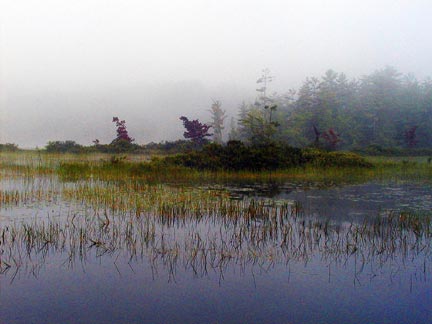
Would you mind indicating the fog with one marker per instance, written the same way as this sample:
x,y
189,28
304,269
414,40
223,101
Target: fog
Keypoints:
x,y
68,67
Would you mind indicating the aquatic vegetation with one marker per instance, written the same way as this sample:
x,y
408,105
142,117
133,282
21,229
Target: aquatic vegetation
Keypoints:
x,y
71,167
133,210
250,233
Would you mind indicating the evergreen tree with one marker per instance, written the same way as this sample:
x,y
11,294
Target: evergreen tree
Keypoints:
x,y
218,118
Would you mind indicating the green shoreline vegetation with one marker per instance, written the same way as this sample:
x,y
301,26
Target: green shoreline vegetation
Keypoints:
x,y
314,165
134,205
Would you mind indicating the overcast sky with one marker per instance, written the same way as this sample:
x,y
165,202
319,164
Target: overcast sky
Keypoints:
x,y
66,67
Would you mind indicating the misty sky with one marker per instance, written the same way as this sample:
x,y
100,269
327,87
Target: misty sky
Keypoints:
x,y
68,67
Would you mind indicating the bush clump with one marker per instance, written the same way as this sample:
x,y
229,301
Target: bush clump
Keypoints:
x,y
64,147
236,156
8,147
321,158
171,147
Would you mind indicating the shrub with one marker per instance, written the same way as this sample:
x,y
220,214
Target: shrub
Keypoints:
x,y
8,147
321,158
171,147
121,146
64,147
236,156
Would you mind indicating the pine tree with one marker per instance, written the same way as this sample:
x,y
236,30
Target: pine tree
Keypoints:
x,y
218,118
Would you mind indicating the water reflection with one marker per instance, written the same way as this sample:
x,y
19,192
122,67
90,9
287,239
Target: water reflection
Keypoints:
x,y
342,201
218,260
242,234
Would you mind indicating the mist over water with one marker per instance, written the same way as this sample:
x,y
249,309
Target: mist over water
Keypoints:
x,y
151,111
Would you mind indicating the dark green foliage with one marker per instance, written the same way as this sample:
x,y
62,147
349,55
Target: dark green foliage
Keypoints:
x,y
121,146
8,147
115,147
236,156
64,147
377,150
171,147
384,108
321,158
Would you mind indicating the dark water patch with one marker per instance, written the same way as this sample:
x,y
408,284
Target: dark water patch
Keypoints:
x,y
343,202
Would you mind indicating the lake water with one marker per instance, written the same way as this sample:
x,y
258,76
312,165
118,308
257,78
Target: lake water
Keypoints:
x,y
306,255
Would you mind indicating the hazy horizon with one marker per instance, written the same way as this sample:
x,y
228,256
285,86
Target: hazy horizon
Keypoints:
x,y
66,68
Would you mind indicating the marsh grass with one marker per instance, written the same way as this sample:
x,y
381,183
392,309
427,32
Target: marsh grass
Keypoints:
x,y
130,211
73,167
229,233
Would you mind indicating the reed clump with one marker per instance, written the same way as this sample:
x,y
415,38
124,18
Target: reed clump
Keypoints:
x,y
214,235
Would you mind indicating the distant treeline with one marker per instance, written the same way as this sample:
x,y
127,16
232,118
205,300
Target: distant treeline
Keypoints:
x,y
183,146
8,147
70,146
376,112
384,113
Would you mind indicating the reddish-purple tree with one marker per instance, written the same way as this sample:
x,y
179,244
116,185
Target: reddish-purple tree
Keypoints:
x,y
411,137
195,130
122,133
332,138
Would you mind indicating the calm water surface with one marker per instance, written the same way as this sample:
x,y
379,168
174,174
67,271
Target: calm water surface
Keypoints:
x,y
196,271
